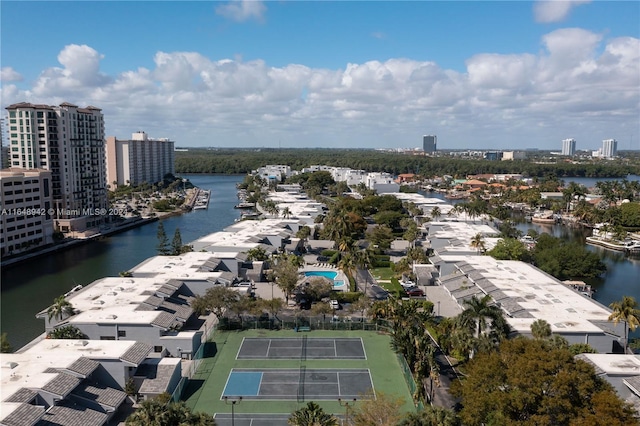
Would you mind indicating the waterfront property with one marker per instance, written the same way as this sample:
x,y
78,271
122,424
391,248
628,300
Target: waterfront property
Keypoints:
x,y
138,160
26,218
71,146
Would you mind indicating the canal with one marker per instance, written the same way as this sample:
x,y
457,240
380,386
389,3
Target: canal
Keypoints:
x,y
30,287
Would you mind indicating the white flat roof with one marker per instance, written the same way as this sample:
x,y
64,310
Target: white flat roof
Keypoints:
x,y
541,295
29,366
616,364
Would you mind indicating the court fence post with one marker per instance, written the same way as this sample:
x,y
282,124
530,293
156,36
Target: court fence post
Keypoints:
x,y
232,402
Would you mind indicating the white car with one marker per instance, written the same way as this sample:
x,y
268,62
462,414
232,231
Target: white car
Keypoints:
x,y
334,304
407,284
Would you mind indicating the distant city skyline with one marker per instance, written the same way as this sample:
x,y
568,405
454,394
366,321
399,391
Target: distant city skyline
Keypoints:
x,y
268,74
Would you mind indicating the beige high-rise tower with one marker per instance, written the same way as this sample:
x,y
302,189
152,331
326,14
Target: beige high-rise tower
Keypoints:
x,y
68,141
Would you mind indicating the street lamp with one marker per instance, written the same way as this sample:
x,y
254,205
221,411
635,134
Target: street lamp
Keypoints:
x,y
348,405
232,402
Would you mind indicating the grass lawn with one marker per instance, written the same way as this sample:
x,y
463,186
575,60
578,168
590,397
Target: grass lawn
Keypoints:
x,y
382,273
205,389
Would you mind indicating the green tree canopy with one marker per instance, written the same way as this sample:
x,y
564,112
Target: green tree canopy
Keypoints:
x,y
312,415
217,299
66,332
530,382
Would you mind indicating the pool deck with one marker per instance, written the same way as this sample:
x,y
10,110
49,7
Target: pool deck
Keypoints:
x,y
327,267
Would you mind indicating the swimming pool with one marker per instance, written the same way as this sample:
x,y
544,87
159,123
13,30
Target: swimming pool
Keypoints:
x,y
327,274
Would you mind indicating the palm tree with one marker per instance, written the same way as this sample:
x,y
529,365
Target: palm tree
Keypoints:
x,y
60,309
479,312
540,329
286,213
436,213
477,242
364,260
626,311
312,415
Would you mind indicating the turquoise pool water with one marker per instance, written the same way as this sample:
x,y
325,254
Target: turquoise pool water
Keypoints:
x,y
327,274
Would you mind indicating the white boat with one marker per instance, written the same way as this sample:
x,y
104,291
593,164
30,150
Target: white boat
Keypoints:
x,y
202,202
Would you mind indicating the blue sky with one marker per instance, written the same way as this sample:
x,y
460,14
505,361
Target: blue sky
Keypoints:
x,y
363,74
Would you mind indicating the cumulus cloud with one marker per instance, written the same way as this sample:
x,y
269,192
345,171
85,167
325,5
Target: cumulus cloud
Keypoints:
x,y
548,11
243,10
8,74
578,84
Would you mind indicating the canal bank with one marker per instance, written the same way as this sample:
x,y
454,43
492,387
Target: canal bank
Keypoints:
x,y
31,286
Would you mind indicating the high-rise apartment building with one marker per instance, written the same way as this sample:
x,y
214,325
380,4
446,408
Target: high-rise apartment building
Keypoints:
x,y
609,148
68,141
569,147
26,219
138,160
429,143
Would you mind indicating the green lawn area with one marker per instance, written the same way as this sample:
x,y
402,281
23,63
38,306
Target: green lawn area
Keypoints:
x,y
382,273
205,389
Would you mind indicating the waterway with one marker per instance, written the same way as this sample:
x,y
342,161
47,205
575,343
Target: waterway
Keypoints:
x,y
30,287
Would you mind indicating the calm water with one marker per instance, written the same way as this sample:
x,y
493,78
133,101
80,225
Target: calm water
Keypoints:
x,y
30,287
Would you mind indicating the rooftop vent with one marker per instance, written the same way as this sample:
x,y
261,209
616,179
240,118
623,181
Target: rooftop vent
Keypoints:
x,y
10,364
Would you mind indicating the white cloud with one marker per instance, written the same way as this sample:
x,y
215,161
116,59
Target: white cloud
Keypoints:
x,y
8,74
243,10
379,35
578,84
547,11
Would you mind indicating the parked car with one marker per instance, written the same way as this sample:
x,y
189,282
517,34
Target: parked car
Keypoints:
x,y
334,304
407,284
415,292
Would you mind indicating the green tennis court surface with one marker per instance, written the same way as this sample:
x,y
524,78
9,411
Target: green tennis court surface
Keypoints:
x,y
301,348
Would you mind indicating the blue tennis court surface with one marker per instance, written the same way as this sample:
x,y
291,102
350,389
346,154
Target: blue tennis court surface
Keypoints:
x,y
243,383
299,383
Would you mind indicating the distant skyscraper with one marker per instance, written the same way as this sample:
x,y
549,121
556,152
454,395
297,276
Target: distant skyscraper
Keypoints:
x,y
609,148
141,159
429,143
569,147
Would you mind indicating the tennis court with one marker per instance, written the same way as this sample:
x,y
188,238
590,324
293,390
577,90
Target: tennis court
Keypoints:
x,y
301,348
298,384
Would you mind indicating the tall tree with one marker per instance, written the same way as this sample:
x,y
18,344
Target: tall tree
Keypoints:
x,y
477,242
312,415
217,299
384,410
176,243
481,314
60,309
626,311
284,272
436,213
163,242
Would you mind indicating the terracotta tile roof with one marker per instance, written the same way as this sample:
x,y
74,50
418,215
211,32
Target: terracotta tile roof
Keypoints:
x,y
101,394
22,395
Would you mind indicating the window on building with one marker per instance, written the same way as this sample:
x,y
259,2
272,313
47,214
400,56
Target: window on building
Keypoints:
x,y
107,338
122,333
157,349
